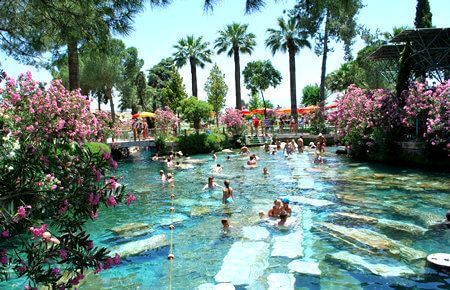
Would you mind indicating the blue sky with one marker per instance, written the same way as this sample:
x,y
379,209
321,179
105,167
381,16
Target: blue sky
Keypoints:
x,y
157,30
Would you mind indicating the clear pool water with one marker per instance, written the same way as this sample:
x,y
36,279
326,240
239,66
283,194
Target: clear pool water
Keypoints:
x,y
404,203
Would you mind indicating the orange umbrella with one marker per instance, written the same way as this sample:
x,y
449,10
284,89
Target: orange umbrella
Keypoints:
x,y
284,111
305,110
332,105
246,112
135,116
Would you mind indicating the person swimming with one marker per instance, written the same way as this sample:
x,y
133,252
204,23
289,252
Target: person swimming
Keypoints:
x,y
265,171
276,209
217,169
228,158
214,156
155,157
252,161
162,176
170,178
211,184
244,150
286,206
227,196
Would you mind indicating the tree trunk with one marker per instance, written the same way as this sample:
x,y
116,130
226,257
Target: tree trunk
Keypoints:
x,y
110,98
237,77
324,63
217,119
74,67
197,126
264,104
293,86
99,99
194,77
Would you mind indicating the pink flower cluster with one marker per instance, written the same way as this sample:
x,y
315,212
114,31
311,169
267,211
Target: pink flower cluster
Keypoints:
x,y
232,118
361,110
130,198
165,118
3,257
430,107
37,232
54,113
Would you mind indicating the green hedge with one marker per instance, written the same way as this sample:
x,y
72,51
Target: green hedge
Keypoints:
x,y
201,143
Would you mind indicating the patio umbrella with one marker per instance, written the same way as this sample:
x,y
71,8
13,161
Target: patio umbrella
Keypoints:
x,y
135,116
246,112
283,111
331,105
146,114
261,111
306,109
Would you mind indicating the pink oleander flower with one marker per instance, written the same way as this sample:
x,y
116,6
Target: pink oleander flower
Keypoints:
x,y
56,272
111,201
21,212
63,254
130,198
90,245
22,268
5,234
99,268
76,280
93,214
93,199
63,207
97,174
37,232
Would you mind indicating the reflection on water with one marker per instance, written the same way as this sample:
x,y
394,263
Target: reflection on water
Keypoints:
x,y
362,225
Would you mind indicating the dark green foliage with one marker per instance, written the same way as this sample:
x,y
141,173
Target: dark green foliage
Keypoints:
x,y
194,110
216,89
201,143
404,73
132,65
311,95
97,148
423,15
260,75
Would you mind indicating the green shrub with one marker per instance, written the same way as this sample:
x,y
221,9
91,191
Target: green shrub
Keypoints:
x,y
201,143
97,148
160,144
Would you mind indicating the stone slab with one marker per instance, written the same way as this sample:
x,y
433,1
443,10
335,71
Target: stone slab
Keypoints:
x,y
310,201
244,263
137,247
131,227
305,267
255,233
289,245
280,281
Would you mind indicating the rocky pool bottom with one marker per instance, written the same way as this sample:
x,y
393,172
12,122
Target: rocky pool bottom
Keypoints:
x,y
358,226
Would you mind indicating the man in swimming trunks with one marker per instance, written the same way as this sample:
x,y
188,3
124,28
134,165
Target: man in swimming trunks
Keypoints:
x,y
276,209
227,196
252,161
244,150
286,206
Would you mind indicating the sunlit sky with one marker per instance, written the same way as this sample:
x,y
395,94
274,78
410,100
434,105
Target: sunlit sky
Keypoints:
x,y
157,30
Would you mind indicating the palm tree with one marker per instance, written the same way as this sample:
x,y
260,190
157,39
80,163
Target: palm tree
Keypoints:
x,y
234,39
196,52
291,38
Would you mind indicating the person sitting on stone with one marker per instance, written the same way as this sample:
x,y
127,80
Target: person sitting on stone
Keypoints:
x,y
286,206
276,209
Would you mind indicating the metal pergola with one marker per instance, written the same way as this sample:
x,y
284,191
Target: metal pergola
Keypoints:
x,y
430,51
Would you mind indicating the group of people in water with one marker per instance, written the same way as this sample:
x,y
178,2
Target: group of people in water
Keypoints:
x,y
279,213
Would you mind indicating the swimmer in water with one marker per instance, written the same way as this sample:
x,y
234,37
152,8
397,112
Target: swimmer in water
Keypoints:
x,y
227,193
170,178
228,158
265,171
286,206
162,176
155,157
214,156
276,209
252,161
226,225
244,150
211,184
283,219
217,169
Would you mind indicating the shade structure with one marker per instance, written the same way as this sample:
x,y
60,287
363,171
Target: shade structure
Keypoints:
x,y
143,115
283,111
261,111
147,115
306,110
246,112
331,106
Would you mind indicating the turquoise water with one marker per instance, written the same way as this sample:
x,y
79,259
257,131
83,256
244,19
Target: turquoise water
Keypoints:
x,y
401,202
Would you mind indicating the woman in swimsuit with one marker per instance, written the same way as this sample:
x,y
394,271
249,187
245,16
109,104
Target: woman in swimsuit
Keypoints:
x,y
227,193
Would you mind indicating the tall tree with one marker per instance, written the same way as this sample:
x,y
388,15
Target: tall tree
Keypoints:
x,y
259,76
423,15
216,90
194,51
328,20
103,70
195,110
291,38
233,40
311,95
173,91
128,91
31,28
158,76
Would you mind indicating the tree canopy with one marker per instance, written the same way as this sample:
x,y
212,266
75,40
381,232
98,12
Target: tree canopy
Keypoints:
x,y
311,95
216,90
194,110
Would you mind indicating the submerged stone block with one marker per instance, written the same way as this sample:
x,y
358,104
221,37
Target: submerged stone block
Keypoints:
x,y
137,247
131,227
244,263
278,281
305,267
289,245
255,233
310,201
377,269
